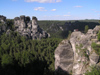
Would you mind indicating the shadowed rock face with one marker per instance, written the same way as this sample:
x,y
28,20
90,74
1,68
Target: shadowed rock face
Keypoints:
x,y
22,17
16,18
27,19
3,25
76,54
64,57
28,28
34,18
2,18
23,22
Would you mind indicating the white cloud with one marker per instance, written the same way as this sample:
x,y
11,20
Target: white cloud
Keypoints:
x,y
66,15
44,1
53,10
14,0
78,6
40,9
58,0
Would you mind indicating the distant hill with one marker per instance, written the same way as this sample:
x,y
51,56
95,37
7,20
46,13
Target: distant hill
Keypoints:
x,y
60,29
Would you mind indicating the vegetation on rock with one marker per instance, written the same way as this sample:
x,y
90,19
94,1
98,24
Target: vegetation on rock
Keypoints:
x,y
94,71
86,28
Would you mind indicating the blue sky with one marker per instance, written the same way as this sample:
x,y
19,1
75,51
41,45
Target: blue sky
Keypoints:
x,y
51,9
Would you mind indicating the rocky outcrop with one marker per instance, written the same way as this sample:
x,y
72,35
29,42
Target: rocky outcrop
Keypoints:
x,y
29,28
26,27
2,19
64,58
80,50
3,24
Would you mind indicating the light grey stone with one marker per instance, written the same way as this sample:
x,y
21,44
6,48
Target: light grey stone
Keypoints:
x,y
63,58
83,54
94,58
29,28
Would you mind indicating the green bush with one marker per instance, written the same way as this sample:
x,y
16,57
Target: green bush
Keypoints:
x,y
98,35
96,47
94,71
86,28
6,60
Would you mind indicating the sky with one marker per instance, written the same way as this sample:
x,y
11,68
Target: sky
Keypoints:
x,y
51,9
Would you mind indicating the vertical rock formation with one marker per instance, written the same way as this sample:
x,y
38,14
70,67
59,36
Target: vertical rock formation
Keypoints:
x,y
2,19
2,24
23,22
34,23
16,22
79,51
28,28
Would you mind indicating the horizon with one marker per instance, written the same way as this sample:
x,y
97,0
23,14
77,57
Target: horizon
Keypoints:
x,y
51,9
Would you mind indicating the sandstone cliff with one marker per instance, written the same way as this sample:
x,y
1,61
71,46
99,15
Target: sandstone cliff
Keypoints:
x,y
76,54
25,27
3,24
29,28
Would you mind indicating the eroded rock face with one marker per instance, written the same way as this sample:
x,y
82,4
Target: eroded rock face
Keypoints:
x,y
79,48
80,44
64,58
28,28
3,25
2,18
94,58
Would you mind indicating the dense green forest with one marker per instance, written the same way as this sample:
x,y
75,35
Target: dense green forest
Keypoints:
x,y
21,56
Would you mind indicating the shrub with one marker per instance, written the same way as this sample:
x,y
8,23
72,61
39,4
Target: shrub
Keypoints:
x,y
96,47
98,35
6,60
86,28
94,71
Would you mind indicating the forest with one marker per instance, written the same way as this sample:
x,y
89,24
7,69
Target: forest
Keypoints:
x,y
60,29
22,56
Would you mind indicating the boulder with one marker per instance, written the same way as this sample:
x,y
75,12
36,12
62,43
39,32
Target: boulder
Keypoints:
x,y
94,58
